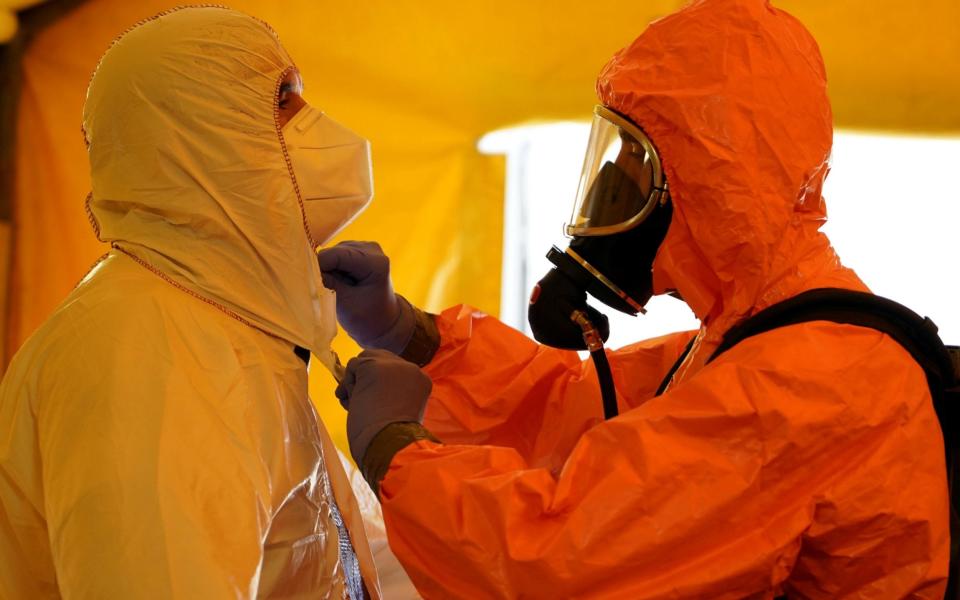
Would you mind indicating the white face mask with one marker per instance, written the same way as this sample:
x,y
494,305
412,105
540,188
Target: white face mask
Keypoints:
x,y
332,168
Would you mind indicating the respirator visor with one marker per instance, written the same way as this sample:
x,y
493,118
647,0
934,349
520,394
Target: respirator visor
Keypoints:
x,y
622,179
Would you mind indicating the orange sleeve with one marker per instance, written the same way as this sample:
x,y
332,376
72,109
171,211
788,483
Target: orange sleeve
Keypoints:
x,y
494,385
789,440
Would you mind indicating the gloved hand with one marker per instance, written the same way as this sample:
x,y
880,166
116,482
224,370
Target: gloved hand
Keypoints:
x,y
367,307
380,388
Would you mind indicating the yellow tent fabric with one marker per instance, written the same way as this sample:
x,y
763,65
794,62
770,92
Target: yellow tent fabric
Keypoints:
x,y
424,80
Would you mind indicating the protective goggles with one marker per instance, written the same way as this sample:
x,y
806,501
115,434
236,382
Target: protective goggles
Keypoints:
x,y
622,179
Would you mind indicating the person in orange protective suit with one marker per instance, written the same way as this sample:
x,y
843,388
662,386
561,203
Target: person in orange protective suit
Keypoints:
x,y
807,461
156,438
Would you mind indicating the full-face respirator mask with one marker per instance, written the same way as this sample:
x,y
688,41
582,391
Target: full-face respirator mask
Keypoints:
x,y
620,218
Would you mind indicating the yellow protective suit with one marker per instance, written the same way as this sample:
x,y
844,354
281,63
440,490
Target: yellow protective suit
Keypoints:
x,y
806,461
156,438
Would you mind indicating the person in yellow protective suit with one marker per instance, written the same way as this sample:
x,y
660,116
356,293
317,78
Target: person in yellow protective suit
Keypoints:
x,y
156,438
807,461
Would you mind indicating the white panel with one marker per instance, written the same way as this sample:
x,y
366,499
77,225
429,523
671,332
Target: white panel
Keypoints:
x,y
894,205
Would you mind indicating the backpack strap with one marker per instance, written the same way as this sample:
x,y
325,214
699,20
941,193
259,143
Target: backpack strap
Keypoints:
x,y
917,335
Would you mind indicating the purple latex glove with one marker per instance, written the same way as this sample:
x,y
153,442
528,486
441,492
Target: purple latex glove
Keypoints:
x,y
367,307
380,388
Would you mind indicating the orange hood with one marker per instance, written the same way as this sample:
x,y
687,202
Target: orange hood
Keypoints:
x,y
733,94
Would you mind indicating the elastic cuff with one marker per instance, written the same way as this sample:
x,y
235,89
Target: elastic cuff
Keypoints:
x,y
392,439
425,340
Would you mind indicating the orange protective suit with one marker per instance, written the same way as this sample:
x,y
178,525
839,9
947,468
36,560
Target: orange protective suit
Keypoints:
x,y
156,438
807,460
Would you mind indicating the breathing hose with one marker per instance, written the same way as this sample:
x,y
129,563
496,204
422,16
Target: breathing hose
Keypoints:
x,y
595,345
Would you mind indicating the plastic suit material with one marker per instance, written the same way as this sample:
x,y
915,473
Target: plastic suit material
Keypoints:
x,y
156,438
807,461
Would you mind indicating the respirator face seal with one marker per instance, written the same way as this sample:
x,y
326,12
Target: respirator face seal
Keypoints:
x,y
622,180
620,217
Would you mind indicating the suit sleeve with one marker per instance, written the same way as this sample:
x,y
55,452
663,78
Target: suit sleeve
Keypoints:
x,y
493,385
703,492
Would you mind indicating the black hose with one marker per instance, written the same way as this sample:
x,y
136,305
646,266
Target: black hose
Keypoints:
x,y
594,343
607,391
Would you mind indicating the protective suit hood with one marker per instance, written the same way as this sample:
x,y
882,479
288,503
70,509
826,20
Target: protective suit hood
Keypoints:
x,y
190,175
733,94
